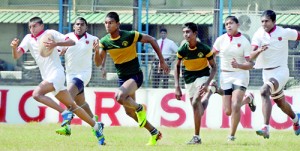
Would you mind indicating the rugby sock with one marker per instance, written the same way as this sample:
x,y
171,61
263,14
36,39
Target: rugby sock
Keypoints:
x,y
295,120
139,108
68,126
266,126
197,136
64,112
96,126
154,131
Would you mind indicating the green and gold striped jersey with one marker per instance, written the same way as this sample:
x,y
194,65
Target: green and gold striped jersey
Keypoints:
x,y
195,61
123,51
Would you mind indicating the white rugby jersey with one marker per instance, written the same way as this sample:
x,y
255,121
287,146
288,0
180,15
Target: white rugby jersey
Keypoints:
x,y
277,41
48,64
78,58
230,47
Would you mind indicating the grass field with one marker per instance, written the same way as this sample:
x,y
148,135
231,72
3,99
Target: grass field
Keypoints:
x,y
37,136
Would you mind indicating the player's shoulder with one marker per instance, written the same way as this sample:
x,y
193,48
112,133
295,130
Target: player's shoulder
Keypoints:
x,y
127,33
202,45
90,36
222,37
51,31
183,47
105,39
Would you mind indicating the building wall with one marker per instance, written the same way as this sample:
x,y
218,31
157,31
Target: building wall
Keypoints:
x,y
8,32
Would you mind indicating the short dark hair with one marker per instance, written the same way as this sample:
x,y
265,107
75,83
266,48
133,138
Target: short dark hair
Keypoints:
x,y
233,18
191,26
113,15
163,30
36,20
82,19
269,13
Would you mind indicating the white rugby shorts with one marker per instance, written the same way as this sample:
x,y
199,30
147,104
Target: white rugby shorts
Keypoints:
x,y
228,79
191,88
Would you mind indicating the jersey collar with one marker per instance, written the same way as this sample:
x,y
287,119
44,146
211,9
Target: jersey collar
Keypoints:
x,y
236,35
272,30
80,36
35,37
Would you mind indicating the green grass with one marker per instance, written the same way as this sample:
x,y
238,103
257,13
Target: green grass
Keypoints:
x,y
37,136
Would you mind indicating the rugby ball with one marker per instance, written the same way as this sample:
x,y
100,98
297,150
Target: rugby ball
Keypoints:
x,y
45,51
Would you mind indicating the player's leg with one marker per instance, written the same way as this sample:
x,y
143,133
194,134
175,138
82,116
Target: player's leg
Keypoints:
x,y
155,134
279,99
124,93
76,89
249,99
64,97
198,109
265,93
39,95
236,103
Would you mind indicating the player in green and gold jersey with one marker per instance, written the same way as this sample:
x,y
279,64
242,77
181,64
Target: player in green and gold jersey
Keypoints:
x,y
121,45
199,70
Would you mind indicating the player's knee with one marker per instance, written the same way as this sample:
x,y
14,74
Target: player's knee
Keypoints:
x,y
227,111
79,84
36,96
120,97
195,104
265,91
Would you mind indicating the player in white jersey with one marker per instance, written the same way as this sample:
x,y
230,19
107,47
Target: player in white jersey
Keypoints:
x,y
78,72
52,73
270,49
234,52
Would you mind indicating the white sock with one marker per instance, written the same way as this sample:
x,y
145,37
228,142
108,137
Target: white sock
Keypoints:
x,y
295,120
68,126
64,112
267,126
197,136
96,126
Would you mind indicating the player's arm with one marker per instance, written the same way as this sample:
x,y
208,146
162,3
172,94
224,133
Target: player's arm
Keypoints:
x,y
177,69
256,51
247,65
149,39
67,42
213,68
100,57
16,52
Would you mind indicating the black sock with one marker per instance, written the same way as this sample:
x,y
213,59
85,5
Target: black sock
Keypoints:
x,y
154,131
139,108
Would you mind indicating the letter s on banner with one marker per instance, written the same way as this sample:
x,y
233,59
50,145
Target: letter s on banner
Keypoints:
x,y
169,109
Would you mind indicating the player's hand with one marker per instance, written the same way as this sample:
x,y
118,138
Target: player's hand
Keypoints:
x,y
164,66
203,89
14,43
96,44
234,63
263,48
178,93
63,51
50,44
